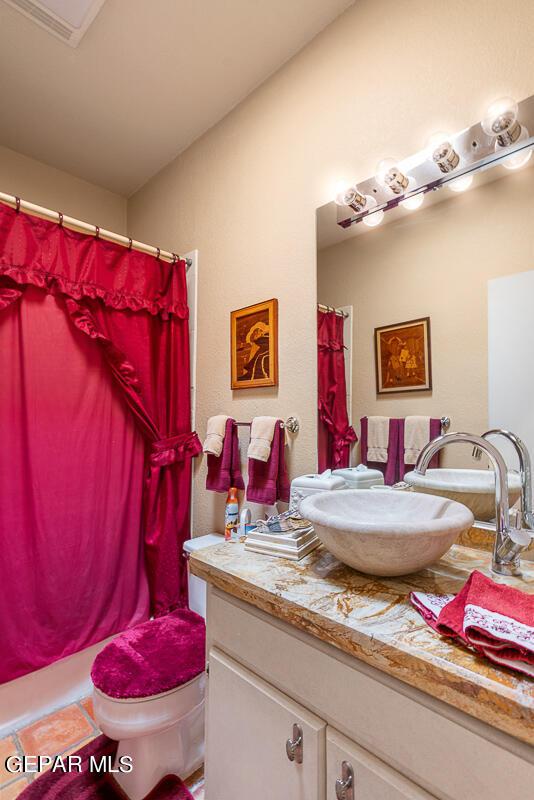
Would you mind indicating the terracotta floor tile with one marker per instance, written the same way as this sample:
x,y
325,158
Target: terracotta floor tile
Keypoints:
x,y
55,733
7,748
87,704
13,790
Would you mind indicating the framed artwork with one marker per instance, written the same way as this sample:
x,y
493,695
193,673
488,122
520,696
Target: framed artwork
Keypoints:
x,y
254,345
403,357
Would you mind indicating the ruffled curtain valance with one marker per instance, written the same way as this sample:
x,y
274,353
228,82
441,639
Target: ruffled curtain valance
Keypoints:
x,y
99,284
55,258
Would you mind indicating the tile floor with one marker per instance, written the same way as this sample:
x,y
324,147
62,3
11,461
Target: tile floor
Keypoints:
x,y
60,733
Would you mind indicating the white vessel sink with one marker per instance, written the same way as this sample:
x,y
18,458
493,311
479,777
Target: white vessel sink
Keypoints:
x,y
386,533
475,488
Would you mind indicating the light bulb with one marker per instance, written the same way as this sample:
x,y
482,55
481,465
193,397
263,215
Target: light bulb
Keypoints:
x,y
415,202
390,176
500,120
518,160
350,196
460,184
442,153
375,219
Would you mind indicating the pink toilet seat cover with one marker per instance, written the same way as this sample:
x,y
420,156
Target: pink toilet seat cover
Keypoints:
x,y
154,657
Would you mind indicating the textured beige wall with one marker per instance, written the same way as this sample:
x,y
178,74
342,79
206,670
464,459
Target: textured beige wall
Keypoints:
x,y
376,83
37,182
434,262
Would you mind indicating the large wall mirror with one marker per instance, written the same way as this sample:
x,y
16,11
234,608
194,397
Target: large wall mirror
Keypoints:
x,y
435,312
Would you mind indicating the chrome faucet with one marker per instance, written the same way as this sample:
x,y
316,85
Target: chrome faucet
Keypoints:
x,y
525,471
509,541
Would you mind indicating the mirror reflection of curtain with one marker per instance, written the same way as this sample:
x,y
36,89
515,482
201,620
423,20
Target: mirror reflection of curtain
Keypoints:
x,y
335,433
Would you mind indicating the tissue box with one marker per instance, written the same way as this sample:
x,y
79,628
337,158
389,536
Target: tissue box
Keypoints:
x,y
360,477
305,485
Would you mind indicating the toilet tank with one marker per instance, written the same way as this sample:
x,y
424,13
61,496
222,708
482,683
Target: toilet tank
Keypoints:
x,y
197,587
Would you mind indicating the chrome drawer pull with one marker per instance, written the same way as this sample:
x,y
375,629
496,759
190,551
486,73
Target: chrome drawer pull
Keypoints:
x,y
294,746
345,784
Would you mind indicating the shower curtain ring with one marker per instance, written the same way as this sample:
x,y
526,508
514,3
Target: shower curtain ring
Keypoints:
x,y
60,219
97,232
130,242
174,258
159,251
17,204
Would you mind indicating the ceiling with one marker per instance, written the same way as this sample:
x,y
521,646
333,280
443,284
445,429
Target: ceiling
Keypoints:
x,y
147,79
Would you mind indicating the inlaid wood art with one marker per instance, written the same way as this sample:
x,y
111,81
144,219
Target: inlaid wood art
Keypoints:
x,y
254,345
403,357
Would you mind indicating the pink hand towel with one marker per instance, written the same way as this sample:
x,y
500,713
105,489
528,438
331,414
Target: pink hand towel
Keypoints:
x,y
224,470
268,480
494,619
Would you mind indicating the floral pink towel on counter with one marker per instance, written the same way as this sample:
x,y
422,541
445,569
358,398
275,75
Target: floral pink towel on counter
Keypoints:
x,y
495,620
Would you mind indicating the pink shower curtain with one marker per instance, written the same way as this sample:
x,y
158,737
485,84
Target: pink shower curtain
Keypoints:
x,y
335,433
94,337
71,474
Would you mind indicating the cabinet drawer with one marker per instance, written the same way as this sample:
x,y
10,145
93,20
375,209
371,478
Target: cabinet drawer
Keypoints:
x,y
248,725
373,780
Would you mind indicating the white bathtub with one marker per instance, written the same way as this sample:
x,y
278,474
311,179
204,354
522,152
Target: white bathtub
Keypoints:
x,y
34,695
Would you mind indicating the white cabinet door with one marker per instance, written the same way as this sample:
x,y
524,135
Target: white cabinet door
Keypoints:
x,y
248,725
371,778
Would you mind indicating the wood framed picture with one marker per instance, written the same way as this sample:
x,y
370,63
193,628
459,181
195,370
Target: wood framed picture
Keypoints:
x,y
254,345
403,357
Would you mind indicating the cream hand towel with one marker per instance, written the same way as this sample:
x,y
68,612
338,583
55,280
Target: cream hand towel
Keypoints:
x,y
377,439
215,435
261,437
416,435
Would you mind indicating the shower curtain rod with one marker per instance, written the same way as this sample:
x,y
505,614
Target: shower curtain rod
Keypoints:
x,y
326,309
86,227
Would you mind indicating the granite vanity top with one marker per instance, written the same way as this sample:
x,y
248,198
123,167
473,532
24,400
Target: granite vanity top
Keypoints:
x,y
372,619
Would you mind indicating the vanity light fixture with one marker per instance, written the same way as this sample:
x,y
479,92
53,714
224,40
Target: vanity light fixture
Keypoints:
x,y
372,220
460,184
415,202
391,177
350,196
442,153
501,122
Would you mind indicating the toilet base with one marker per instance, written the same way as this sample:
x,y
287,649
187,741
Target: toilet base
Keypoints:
x,y
178,750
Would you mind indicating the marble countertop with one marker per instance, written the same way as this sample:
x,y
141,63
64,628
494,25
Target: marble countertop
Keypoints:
x,y
372,619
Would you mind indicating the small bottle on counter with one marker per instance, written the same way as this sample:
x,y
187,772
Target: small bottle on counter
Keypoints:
x,y
231,515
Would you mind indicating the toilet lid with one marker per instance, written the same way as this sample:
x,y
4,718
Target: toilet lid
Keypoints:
x,y
154,657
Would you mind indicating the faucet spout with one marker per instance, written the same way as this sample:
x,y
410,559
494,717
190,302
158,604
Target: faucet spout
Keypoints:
x,y
505,553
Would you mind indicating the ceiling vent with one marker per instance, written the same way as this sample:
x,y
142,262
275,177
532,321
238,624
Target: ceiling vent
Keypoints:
x,y
67,20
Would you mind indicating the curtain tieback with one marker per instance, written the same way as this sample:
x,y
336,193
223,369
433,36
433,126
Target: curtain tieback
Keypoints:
x,y
175,448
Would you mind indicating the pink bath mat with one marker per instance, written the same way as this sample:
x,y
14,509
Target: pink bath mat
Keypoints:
x,y
87,785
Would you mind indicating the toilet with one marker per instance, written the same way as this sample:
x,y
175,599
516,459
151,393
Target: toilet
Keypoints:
x,y
149,686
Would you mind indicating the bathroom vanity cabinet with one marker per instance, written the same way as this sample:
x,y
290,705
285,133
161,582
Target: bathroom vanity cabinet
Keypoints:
x,y
267,723
268,674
